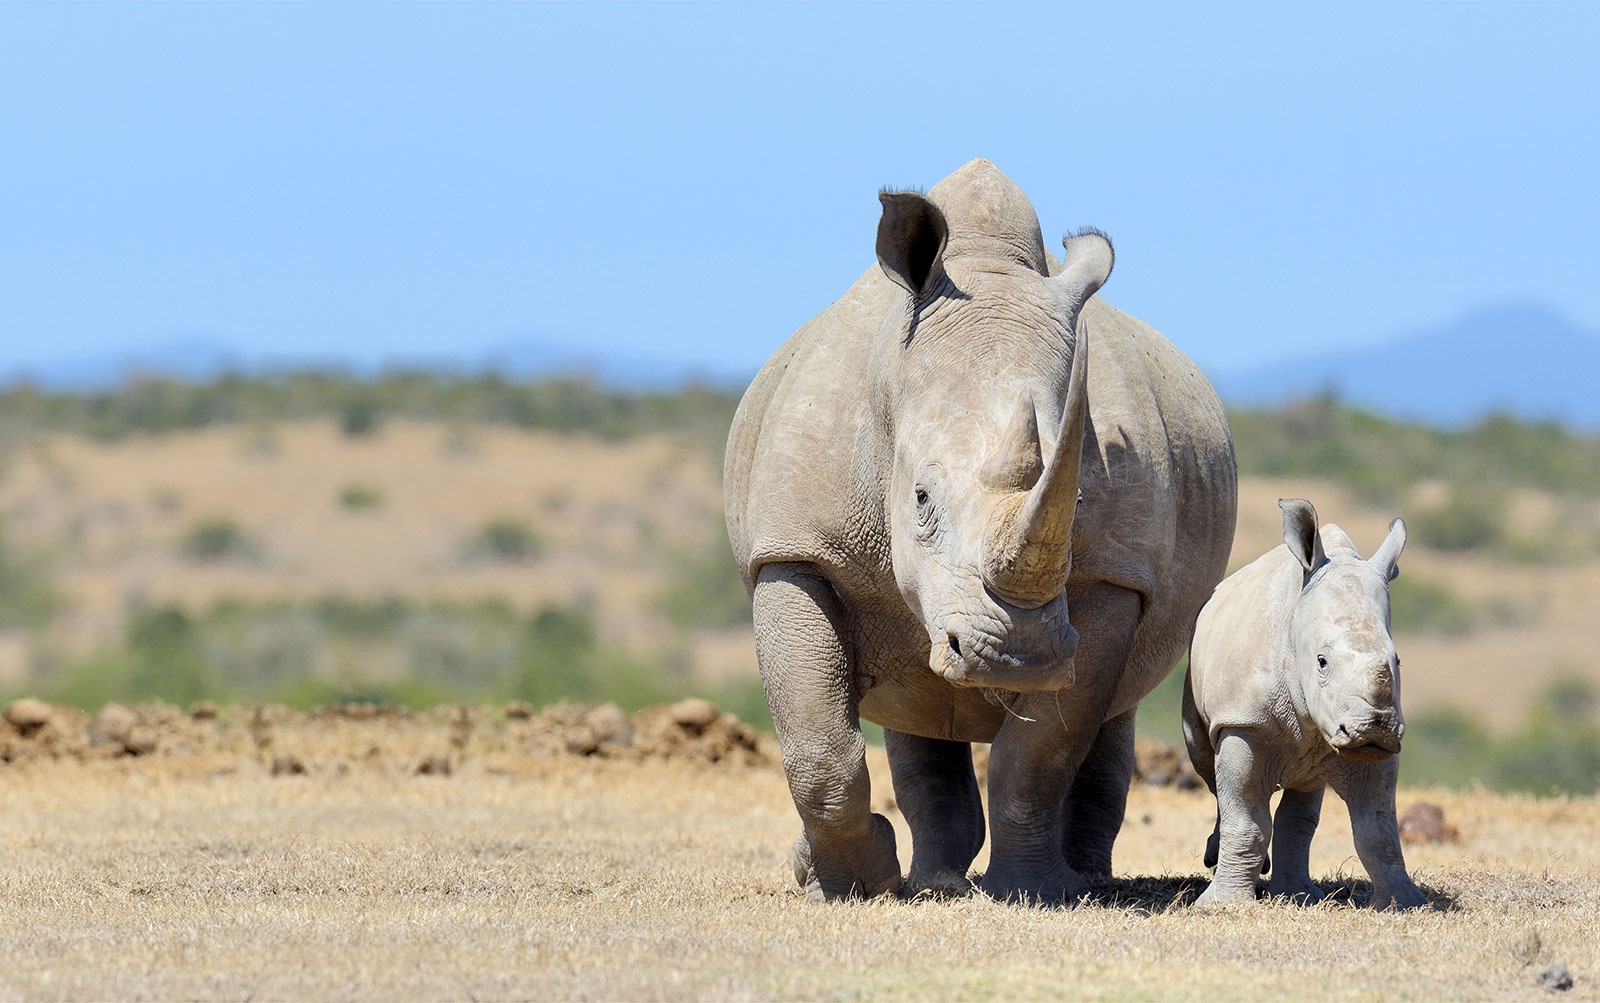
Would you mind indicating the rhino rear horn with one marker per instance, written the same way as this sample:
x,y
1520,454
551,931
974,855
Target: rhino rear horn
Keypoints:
x,y
1017,464
1300,533
911,238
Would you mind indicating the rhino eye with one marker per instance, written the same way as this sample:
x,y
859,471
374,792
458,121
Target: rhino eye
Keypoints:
x,y
1322,661
922,497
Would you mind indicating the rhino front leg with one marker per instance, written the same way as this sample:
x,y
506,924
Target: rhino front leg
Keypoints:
x,y
1244,821
1098,799
844,849
1368,791
938,792
1039,750
1292,829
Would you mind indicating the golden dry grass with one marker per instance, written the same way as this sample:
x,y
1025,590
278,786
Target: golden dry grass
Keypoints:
x,y
199,874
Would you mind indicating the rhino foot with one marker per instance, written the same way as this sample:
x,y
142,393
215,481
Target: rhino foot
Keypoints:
x,y
941,883
1061,885
1218,896
848,868
1402,896
1302,893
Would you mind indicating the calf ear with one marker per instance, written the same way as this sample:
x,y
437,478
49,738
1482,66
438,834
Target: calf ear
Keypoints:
x,y
1087,264
911,238
1300,533
1387,559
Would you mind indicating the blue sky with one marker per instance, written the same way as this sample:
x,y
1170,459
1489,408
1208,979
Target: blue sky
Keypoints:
x,y
690,183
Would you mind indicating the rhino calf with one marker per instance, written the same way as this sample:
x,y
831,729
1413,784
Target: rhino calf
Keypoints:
x,y
1294,683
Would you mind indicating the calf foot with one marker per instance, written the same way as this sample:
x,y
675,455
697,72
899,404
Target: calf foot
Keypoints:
x,y
1218,895
865,866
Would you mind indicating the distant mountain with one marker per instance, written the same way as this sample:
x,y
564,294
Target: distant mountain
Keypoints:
x,y
1523,359
196,359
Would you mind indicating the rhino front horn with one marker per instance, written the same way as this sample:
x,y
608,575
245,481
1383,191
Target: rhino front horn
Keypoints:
x,y
1027,547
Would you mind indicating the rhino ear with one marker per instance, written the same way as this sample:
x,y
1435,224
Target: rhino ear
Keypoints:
x,y
1087,263
1387,559
911,238
1300,533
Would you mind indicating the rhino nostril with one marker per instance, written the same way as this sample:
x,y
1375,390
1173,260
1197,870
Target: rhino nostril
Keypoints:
x,y
1344,732
955,645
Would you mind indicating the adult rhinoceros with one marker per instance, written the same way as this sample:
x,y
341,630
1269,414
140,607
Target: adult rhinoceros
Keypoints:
x,y
973,504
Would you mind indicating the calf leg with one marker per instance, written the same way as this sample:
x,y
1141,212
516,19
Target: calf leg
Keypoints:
x,y
1292,829
1098,798
1368,791
844,849
1244,822
938,793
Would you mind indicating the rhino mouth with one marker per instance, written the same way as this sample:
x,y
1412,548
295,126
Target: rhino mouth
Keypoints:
x,y
1368,748
967,658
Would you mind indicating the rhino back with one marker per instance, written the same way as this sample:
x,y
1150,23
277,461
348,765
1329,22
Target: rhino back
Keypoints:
x,y
1239,663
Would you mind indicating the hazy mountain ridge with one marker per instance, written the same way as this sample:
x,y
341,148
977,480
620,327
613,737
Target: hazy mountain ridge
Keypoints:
x,y
1525,359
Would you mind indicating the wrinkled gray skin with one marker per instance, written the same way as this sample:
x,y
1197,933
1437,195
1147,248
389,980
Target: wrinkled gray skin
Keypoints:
x,y
902,485
1294,683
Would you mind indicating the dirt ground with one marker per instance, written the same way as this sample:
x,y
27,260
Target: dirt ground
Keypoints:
x,y
464,853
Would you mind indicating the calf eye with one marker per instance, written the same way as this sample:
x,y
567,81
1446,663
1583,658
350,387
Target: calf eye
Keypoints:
x,y
1322,662
922,497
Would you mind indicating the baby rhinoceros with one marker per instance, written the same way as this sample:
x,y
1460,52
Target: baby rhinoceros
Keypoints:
x,y
1294,683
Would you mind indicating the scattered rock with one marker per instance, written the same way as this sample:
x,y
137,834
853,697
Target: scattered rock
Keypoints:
x,y
140,741
288,766
610,724
112,725
205,710
516,710
694,713
1424,823
28,714
1161,765
435,766
1555,976
582,741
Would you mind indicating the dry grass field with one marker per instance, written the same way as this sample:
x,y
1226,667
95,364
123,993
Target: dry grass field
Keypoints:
x,y
522,871
616,521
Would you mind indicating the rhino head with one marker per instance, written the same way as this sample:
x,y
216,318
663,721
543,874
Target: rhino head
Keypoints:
x,y
980,390
1345,662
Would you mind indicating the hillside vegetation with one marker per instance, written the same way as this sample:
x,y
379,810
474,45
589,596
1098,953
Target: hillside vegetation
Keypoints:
x,y
422,537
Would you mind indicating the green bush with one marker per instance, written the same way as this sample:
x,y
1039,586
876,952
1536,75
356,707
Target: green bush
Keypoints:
x,y
704,590
1425,606
509,540
26,596
214,540
360,497
1472,519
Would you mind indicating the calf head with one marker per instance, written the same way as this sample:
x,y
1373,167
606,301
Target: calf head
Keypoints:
x,y
1344,657
980,391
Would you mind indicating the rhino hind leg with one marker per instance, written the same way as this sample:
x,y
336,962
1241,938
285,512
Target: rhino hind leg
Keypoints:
x,y
844,849
1292,828
1098,799
937,791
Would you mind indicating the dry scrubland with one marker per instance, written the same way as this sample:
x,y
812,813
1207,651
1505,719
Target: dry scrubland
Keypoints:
x,y
461,854
618,523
